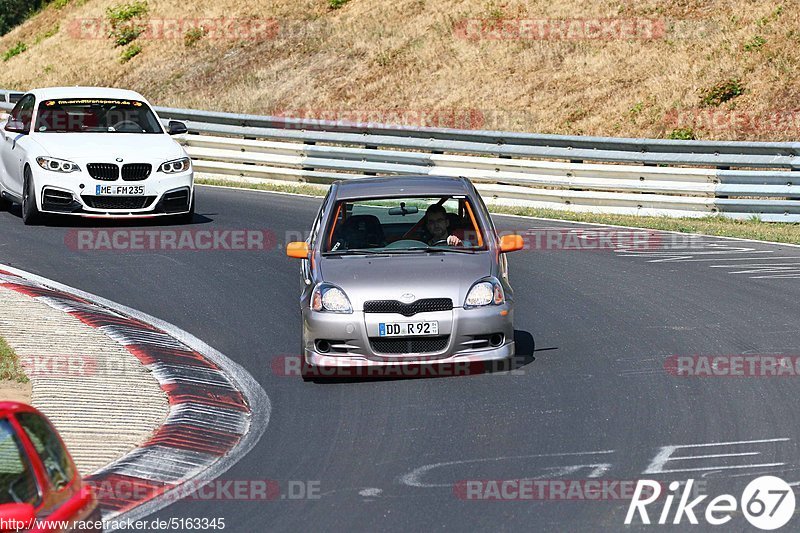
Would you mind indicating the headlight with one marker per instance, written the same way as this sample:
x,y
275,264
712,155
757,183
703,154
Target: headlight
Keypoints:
x,y
485,293
178,165
327,297
57,165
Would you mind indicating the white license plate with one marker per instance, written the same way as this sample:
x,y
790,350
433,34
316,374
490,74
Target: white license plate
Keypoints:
x,y
407,329
119,190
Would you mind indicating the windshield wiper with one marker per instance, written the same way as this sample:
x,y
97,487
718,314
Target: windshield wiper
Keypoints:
x,y
448,249
358,251
401,251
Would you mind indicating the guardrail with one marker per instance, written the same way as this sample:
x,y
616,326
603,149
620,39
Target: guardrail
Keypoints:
x,y
600,174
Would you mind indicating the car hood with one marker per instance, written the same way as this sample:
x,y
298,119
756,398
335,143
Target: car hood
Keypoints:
x,y
107,147
439,275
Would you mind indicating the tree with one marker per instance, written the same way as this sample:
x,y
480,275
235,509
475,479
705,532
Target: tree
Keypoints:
x,y
13,12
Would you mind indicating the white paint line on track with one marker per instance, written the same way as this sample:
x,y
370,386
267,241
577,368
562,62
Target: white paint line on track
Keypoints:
x,y
731,443
666,455
729,467
713,456
412,479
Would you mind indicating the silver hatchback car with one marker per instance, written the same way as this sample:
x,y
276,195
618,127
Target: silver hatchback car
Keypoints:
x,y
405,271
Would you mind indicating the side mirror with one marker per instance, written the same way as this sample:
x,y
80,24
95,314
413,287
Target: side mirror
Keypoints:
x,y
511,243
298,250
176,128
11,513
15,126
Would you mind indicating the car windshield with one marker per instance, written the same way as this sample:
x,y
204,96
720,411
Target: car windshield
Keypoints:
x,y
404,225
98,115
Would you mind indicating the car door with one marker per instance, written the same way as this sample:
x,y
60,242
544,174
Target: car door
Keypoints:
x,y
62,497
15,145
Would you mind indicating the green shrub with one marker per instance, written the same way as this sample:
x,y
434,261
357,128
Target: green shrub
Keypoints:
x,y
722,92
192,36
124,29
124,35
129,53
15,50
125,12
336,4
754,44
682,134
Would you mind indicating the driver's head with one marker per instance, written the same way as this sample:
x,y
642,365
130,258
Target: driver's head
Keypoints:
x,y
436,222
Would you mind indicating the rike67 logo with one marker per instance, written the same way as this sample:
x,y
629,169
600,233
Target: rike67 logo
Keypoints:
x,y
767,503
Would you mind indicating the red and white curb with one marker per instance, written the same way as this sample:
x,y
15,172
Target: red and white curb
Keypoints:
x,y
217,410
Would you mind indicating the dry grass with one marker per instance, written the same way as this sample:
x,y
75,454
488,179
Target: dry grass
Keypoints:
x,y
404,55
11,370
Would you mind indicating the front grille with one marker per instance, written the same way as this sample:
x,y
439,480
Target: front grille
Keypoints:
x,y
118,202
103,171
420,306
409,344
136,171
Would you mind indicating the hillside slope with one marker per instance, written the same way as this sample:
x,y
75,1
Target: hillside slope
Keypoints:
x,y
692,67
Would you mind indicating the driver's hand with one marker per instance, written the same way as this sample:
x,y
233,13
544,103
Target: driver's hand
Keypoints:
x,y
452,240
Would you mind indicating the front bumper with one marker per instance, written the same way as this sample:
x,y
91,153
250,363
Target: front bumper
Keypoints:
x,y
77,194
472,335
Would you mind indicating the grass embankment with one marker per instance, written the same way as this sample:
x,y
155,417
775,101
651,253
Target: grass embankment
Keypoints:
x,y
14,384
731,72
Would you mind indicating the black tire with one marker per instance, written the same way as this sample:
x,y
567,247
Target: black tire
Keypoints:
x,y
30,213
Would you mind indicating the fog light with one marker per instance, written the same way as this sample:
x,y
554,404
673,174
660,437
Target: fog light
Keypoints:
x,y
323,346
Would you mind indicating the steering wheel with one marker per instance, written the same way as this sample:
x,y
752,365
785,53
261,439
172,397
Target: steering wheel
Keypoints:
x,y
405,243
130,125
440,241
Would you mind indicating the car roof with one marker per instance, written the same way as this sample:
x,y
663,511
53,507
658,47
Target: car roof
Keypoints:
x,y
9,406
387,186
85,92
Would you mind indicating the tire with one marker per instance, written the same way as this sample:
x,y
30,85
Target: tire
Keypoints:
x,y
30,213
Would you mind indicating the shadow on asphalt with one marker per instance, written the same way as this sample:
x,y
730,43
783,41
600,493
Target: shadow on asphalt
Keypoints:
x,y
69,221
525,348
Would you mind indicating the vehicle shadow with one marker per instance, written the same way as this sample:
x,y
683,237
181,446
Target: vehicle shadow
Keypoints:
x,y
69,221
525,349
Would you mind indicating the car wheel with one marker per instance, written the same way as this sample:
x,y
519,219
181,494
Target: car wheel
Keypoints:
x,y
30,213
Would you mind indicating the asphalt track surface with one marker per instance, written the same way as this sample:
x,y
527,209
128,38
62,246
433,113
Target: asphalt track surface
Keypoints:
x,y
591,398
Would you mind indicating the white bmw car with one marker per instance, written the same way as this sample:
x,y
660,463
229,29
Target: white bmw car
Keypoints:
x,y
93,152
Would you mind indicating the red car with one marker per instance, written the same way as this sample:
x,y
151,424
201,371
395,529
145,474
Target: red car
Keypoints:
x,y
40,488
